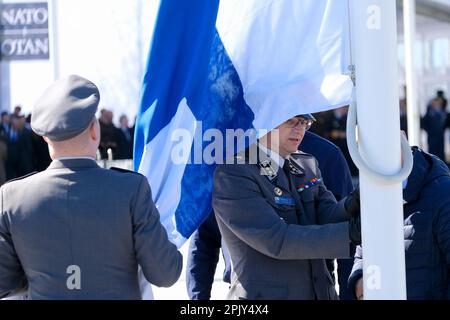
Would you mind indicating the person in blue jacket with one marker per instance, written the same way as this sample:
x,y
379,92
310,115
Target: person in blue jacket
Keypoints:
x,y
426,212
206,242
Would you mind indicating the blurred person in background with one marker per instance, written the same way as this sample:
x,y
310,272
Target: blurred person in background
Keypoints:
x,y
109,134
125,139
434,123
20,149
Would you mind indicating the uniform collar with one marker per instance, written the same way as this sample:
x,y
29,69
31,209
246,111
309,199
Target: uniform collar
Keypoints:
x,y
73,163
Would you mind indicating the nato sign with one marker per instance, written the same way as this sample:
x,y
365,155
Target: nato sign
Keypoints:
x,y
24,31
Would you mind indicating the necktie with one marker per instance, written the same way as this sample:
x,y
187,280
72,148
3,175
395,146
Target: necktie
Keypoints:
x,y
287,172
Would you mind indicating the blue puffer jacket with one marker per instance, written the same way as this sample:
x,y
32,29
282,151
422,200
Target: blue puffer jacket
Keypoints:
x,y
427,230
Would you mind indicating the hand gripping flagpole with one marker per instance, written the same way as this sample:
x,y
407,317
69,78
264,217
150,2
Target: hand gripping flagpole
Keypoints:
x,y
380,149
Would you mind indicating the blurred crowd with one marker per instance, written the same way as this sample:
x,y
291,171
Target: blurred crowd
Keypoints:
x,y
22,151
332,125
118,139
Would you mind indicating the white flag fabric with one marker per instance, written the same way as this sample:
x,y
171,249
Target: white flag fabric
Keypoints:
x,y
289,54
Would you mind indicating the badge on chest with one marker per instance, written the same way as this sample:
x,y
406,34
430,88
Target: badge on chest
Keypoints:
x,y
286,201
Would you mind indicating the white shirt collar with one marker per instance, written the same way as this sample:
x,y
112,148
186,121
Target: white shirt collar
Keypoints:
x,y
279,160
404,183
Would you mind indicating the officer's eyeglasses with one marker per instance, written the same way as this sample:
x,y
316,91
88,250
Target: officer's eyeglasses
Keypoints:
x,y
302,122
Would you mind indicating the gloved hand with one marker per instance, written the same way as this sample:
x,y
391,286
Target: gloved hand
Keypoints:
x,y
352,203
354,230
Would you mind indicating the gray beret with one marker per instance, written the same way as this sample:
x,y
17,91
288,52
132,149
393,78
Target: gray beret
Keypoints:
x,y
65,109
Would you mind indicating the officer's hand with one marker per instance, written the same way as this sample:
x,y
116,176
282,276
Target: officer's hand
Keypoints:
x,y
352,203
354,230
359,289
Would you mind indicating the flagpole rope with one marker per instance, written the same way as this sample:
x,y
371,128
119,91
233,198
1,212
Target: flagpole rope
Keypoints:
x,y
359,161
351,66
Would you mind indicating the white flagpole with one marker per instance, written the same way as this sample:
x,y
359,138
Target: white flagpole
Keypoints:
x,y
413,115
374,44
53,37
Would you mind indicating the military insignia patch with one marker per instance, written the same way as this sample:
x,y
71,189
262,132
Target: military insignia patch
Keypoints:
x,y
295,169
267,169
278,191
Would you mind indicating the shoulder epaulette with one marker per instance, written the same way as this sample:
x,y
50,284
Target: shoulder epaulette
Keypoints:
x,y
124,170
22,177
301,154
237,158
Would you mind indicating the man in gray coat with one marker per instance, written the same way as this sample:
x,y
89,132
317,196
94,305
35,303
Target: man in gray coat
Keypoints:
x,y
75,230
280,225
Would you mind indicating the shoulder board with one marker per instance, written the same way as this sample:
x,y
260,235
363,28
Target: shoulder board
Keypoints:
x,y
124,170
22,177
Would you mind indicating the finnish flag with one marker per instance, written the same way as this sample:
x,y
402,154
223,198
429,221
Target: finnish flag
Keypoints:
x,y
237,64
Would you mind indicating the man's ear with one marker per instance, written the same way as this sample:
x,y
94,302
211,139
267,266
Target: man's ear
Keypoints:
x,y
45,139
92,131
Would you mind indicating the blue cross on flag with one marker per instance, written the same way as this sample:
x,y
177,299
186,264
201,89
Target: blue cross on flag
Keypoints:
x,y
231,65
